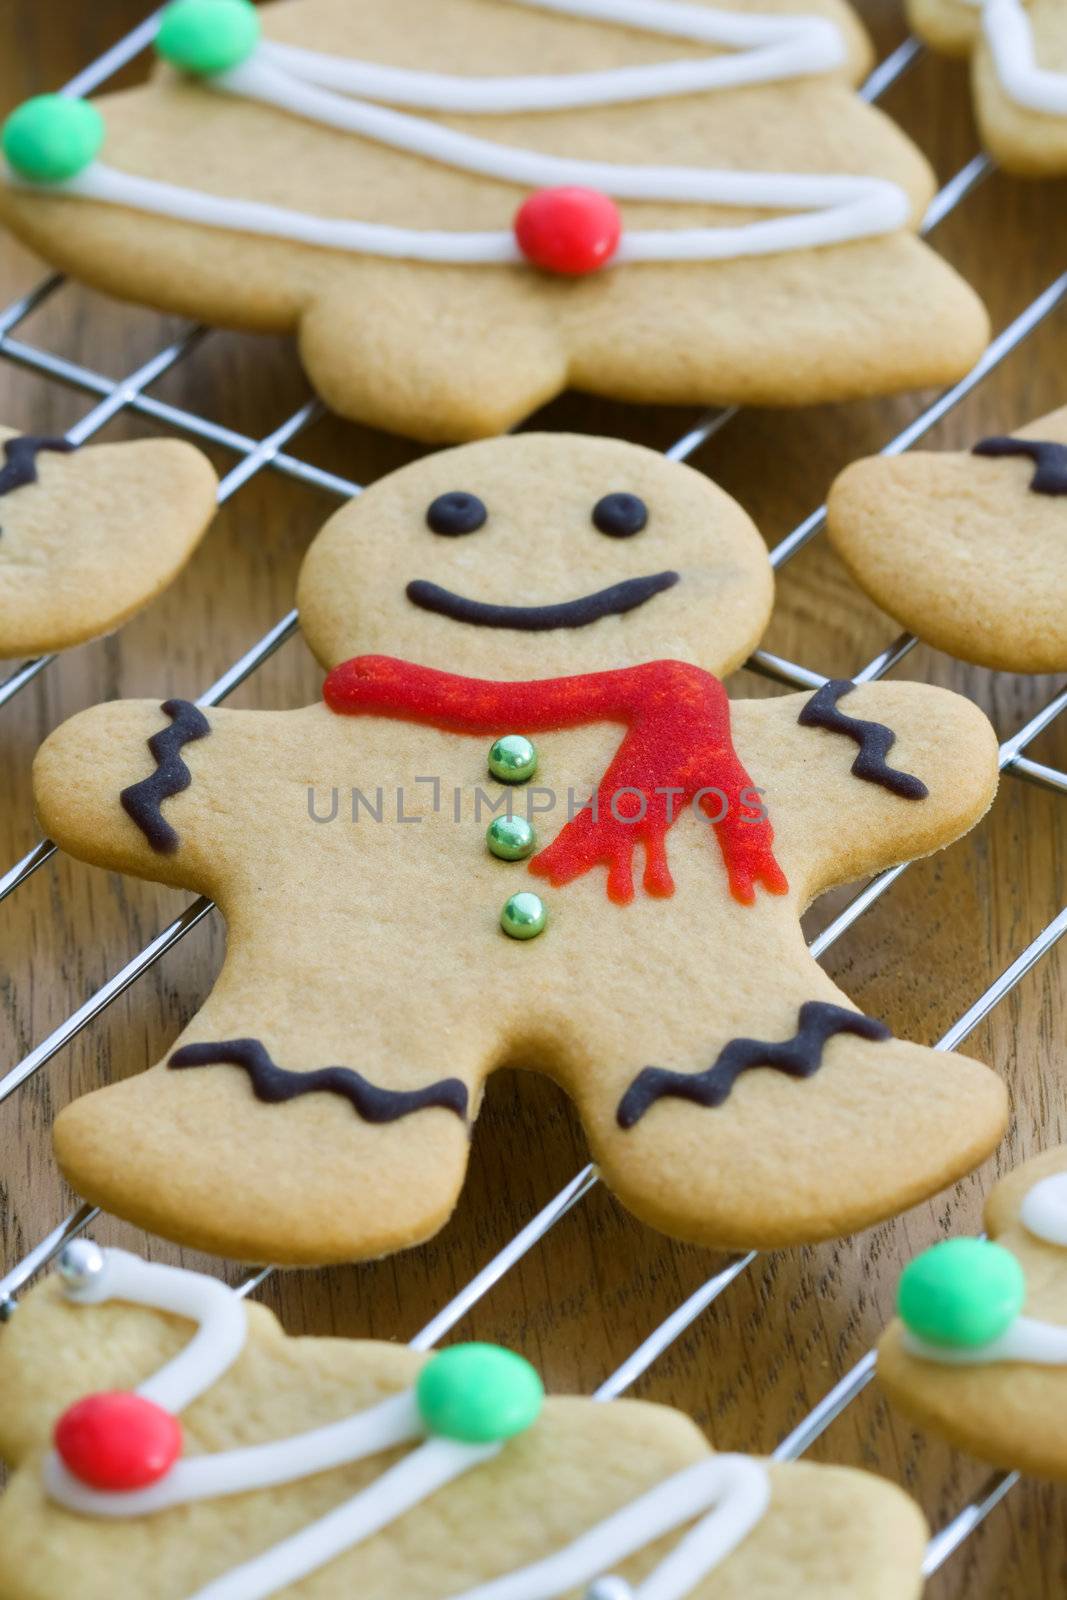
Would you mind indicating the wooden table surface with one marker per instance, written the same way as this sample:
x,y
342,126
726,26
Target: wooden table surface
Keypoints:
x,y
791,1325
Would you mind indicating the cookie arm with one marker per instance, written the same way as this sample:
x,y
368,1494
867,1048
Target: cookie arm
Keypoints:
x,y
122,785
832,824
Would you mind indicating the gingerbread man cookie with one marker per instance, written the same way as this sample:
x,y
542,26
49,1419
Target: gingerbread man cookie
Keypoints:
x,y
89,536
1019,74
464,206
556,605
328,1467
980,1352
966,549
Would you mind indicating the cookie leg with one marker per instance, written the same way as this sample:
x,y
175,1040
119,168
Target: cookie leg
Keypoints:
x,y
805,1122
271,1145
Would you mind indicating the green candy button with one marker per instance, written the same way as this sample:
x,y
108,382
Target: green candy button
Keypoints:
x,y
510,838
961,1293
478,1393
52,137
524,915
205,37
513,759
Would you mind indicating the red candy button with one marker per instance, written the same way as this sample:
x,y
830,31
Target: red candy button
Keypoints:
x,y
118,1441
570,231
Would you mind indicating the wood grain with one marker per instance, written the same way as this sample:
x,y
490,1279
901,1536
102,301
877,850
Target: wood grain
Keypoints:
x,y
791,1325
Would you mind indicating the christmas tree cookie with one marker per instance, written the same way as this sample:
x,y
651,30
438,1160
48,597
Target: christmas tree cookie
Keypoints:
x,y
170,1441
1019,71
461,207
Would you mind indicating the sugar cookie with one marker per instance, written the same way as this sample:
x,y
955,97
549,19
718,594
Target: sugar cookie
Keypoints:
x,y
982,1354
89,536
238,1464
462,207
551,608
1019,74
968,549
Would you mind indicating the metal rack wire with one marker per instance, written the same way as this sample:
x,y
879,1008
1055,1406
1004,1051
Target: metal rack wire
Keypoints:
x,y
270,453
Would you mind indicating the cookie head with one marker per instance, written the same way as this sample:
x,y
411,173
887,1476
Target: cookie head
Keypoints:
x,y
539,556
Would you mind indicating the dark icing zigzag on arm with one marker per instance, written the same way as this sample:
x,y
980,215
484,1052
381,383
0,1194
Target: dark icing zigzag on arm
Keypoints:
x,y
1050,457
874,739
20,459
800,1057
143,801
275,1084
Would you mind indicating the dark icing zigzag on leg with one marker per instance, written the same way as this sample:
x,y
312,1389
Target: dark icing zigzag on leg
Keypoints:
x,y
800,1057
874,739
275,1084
1050,457
143,801
20,459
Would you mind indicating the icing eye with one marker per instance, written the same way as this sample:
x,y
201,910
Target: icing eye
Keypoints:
x,y
1044,1210
456,513
620,516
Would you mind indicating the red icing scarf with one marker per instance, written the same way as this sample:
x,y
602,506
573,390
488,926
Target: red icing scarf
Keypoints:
x,y
677,720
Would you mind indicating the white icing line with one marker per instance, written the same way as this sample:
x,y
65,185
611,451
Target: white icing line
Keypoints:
x,y
738,1489
214,1347
672,18
863,208
775,48
1011,41
1044,1209
432,91
788,191
801,44
881,208
1042,1344
393,1422
396,1491
101,182
831,209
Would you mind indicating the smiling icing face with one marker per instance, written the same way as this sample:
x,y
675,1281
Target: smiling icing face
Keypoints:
x,y
539,556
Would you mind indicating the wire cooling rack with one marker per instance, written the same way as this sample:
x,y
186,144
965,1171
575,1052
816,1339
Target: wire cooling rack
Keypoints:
x,y
271,454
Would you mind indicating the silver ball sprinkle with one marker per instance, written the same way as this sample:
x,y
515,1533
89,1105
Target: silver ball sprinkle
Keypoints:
x,y
80,1263
609,1589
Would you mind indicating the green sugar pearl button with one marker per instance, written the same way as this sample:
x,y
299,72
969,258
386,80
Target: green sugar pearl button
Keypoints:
x,y
478,1393
524,916
962,1293
510,838
513,759
205,37
52,137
